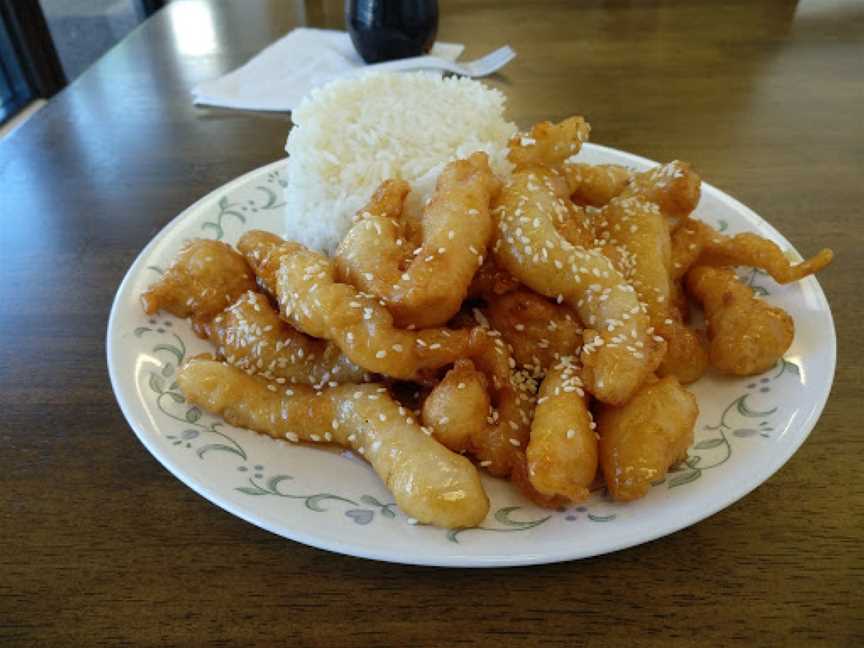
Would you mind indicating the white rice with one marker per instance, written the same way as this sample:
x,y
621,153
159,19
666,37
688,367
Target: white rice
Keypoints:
x,y
351,134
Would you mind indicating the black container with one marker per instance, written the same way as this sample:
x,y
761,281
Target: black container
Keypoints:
x,y
383,30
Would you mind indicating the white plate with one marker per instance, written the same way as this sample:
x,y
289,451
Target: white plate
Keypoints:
x,y
747,428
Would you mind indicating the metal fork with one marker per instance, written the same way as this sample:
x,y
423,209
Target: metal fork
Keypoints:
x,y
477,68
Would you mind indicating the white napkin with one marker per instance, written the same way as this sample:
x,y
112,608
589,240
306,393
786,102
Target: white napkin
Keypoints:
x,y
279,76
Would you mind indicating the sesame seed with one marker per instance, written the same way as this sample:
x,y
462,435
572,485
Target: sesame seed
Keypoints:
x,y
381,354
314,437
382,418
571,433
293,438
514,442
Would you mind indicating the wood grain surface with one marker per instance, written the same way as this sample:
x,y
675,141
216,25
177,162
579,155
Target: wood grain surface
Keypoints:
x,y
100,546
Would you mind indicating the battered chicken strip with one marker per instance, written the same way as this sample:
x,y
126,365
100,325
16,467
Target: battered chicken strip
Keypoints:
x,y
263,252
619,352
430,483
539,332
595,184
424,286
640,440
746,335
562,453
204,279
456,409
686,355
674,187
251,337
508,421
314,302
633,233
576,225
496,436
548,144
697,243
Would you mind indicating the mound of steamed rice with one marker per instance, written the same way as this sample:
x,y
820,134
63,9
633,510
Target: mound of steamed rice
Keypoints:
x,y
351,134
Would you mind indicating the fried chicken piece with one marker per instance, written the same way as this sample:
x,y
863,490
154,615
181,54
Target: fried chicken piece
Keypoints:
x,y
619,352
576,226
632,233
674,187
595,184
499,434
539,332
430,483
490,281
640,440
314,302
549,144
425,286
697,243
205,278
263,252
251,337
508,420
686,350
457,407
562,453
746,335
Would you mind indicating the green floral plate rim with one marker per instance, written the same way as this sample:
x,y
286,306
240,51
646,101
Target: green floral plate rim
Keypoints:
x,y
748,428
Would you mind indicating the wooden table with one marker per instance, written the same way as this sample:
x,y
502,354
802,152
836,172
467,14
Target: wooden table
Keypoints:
x,y
101,546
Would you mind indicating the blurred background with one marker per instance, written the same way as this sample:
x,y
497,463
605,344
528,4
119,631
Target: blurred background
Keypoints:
x,y
47,44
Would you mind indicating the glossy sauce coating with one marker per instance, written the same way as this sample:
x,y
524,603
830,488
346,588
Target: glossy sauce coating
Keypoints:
x,y
697,243
316,303
539,332
430,483
205,278
621,352
562,454
423,286
250,335
746,335
640,440
595,184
